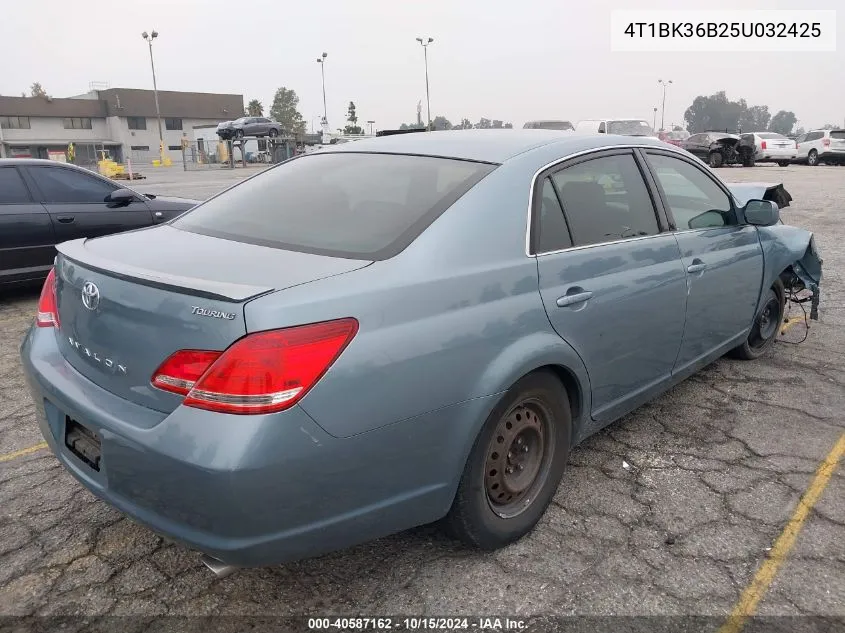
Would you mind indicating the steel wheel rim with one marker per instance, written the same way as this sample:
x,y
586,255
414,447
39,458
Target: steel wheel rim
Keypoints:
x,y
766,324
518,458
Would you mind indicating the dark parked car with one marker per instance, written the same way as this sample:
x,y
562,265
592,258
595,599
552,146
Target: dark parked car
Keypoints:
x,y
395,331
44,203
249,126
720,148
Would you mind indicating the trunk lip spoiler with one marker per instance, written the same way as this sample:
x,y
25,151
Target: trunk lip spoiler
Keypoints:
x,y
74,250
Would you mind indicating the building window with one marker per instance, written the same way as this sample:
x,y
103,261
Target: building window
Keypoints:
x,y
174,148
140,148
77,123
14,122
137,122
173,124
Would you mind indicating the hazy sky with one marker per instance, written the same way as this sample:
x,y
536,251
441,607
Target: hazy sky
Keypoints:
x,y
514,61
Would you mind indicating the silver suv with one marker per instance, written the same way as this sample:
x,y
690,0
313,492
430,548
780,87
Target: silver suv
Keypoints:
x,y
821,146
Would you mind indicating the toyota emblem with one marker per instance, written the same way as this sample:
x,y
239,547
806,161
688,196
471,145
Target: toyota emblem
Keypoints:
x,y
90,295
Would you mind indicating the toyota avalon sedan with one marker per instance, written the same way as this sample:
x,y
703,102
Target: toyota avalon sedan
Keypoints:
x,y
389,332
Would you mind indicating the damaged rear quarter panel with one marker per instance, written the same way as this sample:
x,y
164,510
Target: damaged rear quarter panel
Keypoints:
x,y
785,246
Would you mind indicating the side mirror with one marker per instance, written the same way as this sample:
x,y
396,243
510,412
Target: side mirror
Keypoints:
x,y
120,197
761,212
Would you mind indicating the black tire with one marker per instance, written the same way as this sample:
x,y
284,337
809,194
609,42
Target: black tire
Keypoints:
x,y
767,324
477,516
239,134
813,158
747,159
783,163
715,160
273,133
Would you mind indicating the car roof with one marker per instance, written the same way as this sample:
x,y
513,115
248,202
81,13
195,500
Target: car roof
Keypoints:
x,y
37,161
491,146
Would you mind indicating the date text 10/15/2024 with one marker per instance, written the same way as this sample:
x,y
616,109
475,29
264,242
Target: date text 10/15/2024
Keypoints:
x,y
417,624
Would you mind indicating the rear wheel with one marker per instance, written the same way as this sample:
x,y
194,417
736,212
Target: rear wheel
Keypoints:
x,y
715,159
515,466
766,326
239,134
747,159
273,133
813,158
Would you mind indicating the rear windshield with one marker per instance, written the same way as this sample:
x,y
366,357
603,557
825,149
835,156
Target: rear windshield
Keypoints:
x,y
838,134
629,128
345,204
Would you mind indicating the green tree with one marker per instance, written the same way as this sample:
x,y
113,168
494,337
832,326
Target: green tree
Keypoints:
x,y
829,126
715,112
412,126
441,123
284,110
508,126
254,108
755,119
352,126
799,131
35,90
483,124
783,122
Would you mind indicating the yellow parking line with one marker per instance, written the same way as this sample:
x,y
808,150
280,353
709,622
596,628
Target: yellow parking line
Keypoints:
x,y
790,322
754,592
24,451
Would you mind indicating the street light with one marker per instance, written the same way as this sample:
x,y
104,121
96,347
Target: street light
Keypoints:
x,y
665,85
149,37
425,42
371,123
322,61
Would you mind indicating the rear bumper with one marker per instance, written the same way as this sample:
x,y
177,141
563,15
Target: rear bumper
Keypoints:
x,y
776,154
250,490
836,155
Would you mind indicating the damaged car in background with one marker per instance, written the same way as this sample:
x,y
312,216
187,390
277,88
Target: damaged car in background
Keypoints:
x,y
720,148
543,284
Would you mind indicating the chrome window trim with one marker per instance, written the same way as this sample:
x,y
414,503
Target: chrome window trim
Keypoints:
x,y
557,161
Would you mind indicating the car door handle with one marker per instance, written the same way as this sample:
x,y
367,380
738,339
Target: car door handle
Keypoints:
x,y
573,299
65,219
696,268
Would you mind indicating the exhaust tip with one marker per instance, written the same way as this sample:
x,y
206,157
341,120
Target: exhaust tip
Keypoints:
x,y
220,569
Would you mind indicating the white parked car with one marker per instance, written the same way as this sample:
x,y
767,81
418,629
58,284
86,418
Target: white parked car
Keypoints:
x,y
821,146
771,147
625,127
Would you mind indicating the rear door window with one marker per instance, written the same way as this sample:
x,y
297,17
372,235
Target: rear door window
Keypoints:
x,y
605,199
344,204
12,187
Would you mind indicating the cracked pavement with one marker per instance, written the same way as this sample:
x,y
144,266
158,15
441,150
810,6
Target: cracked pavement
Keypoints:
x,y
669,511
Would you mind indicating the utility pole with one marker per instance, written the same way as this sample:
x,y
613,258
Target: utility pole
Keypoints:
x,y
665,85
425,42
654,120
149,38
322,61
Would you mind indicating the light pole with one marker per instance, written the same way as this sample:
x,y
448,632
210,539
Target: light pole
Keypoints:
x,y
665,85
149,37
371,123
654,120
425,42
322,61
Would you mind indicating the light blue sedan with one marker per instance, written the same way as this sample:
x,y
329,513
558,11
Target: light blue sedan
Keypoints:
x,y
393,331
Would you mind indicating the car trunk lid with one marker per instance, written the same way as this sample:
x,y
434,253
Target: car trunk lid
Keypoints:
x,y
126,302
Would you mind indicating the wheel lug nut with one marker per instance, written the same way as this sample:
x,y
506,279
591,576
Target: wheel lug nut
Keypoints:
x,y
520,466
510,455
524,449
509,470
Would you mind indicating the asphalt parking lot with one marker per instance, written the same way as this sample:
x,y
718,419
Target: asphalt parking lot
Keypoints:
x,y
671,511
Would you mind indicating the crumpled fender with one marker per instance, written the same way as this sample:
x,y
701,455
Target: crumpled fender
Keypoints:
x,y
789,247
745,191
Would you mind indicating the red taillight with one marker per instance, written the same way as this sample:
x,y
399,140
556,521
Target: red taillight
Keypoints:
x,y
48,310
182,369
263,372
826,142
762,144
